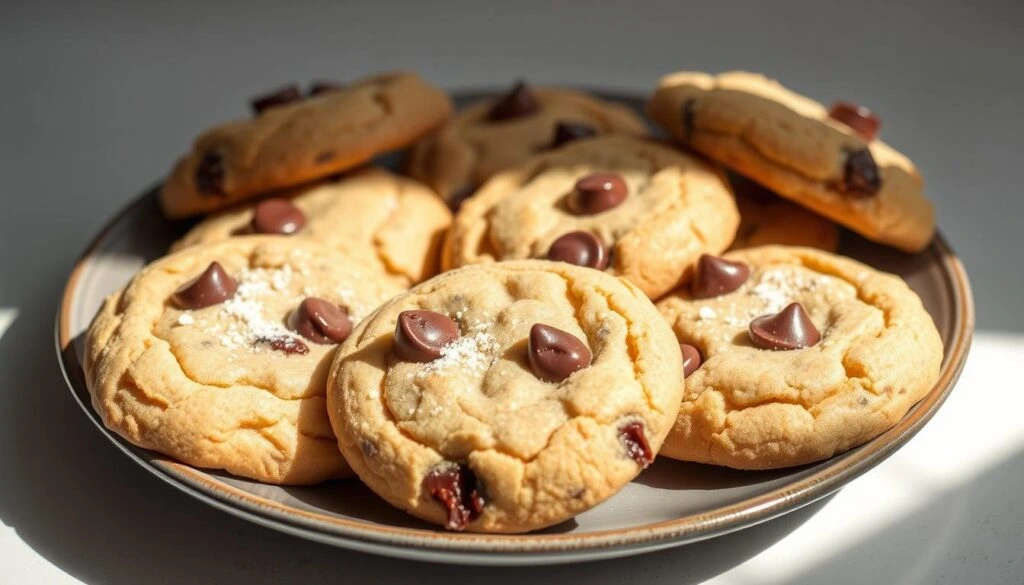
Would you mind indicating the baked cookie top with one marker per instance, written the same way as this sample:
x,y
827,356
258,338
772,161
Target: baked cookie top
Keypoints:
x,y
767,219
218,355
845,351
641,209
391,222
505,397
793,145
296,139
495,134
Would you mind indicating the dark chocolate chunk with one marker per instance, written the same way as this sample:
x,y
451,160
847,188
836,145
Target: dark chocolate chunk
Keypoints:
x,y
209,175
285,344
597,192
790,328
569,131
637,447
581,249
518,102
859,118
554,354
860,174
717,276
456,488
320,86
278,97
277,216
420,335
320,321
213,286
691,358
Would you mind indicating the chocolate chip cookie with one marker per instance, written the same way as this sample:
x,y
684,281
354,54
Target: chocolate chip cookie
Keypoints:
x,y
496,134
506,397
766,218
392,222
637,208
793,355
829,161
218,355
295,138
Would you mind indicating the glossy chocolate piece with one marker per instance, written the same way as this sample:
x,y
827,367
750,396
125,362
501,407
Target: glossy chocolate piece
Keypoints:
x,y
277,216
569,131
284,344
637,447
860,174
278,97
790,328
209,175
858,118
597,192
717,276
554,354
459,491
213,286
518,102
691,359
320,321
420,335
581,249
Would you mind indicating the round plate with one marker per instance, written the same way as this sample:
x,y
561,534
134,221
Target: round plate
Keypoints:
x,y
670,504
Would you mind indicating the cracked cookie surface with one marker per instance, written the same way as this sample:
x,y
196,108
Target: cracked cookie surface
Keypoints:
x,y
470,149
389,221
229,386
750,408
302,141
789,143
675,208
531,453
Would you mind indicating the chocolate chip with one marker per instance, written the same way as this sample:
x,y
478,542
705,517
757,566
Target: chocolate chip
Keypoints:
x,y
420,335
597,192
277,216
456,488
790,328
859,118
554,354
569,131
284,344
320,86
278,97
518,102
689,116
581,249
717,276
320,321
860,174
637,447
691,359
209,174
213,286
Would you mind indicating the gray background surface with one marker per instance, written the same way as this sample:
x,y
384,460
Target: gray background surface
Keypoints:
x,y
97,99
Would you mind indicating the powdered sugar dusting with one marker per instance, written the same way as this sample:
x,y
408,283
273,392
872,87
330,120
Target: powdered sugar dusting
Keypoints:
x,y
473,353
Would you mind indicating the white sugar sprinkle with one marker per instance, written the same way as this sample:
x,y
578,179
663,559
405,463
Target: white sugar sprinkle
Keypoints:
x,y
471,353
706,313
185,319
245,308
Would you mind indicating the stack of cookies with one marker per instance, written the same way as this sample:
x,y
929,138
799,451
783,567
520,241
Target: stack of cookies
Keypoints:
x,y
549,297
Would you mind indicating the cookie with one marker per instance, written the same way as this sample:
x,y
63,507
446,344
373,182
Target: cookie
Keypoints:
x,y
293,139
766,219
506,397
218,355
826,160
392,222
795,355
495,134
637,208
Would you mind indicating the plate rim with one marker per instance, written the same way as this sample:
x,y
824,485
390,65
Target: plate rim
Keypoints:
x,y
426,544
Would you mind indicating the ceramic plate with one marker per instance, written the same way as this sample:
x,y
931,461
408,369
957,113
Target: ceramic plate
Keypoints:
x,y
670,504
